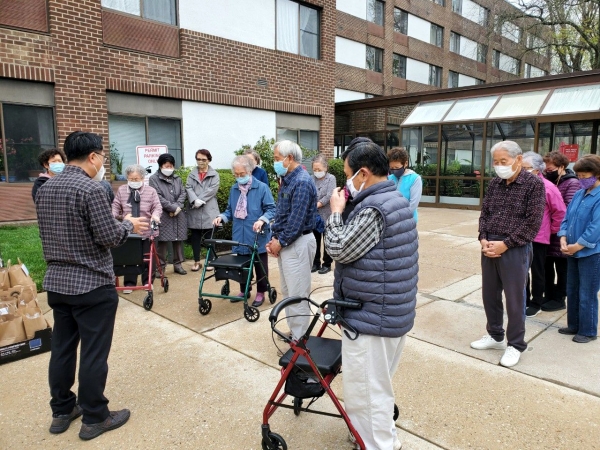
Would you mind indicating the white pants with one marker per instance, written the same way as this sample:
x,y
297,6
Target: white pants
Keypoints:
x,y
369,363
295,262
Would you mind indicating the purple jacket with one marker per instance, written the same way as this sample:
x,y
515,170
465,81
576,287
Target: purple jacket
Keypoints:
x,y
568,185
149,204
554,212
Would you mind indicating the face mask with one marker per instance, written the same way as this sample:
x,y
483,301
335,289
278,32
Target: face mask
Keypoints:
x,y
552,176
56,167
135,184
504,172
319,175
398,172
99,172
167,172
350,185
280,170
243,180
587,183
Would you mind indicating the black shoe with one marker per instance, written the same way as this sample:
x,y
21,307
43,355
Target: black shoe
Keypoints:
x,y
61,423
180,270
567,330
314,268
113,421
583,339
554,305
324,270
532,311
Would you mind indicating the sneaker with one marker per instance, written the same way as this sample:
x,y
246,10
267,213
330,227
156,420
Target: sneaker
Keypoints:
x,y
488,342
567,330
352,439
60,423
258,301
237,298
511,357
324,270
315,268
580,339
554,305
532,311
127,291
114,420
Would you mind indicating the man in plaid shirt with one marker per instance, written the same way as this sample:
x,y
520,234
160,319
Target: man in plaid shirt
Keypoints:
x,y
77,231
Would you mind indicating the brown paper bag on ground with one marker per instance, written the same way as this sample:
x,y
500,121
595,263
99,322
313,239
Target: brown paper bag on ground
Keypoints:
x,y
19,275
8,307
33,320
12,294
4,279
11,329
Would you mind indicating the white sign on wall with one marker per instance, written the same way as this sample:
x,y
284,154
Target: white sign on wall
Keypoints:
x,y
147,156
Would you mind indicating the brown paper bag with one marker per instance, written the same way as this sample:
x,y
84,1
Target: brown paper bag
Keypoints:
x,y
4,279
12,294
19,275
8,307
33,320
11,329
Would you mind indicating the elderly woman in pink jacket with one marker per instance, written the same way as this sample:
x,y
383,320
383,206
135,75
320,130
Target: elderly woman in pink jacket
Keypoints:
x,y
139,200
554,212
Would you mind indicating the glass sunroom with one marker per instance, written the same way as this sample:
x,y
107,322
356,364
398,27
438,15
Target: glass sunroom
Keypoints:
x,y
448,133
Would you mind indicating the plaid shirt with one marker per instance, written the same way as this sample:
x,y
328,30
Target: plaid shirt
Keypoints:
x,y
77,230
296,207
347,243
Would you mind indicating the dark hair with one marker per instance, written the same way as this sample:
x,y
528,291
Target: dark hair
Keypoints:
x,y
589,164
557,158
366,154
204,152
166,158
79,144
398,154
45,156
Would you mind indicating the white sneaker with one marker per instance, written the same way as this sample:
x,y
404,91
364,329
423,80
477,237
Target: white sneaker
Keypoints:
x,y
488,342
511,357
127,291
397,443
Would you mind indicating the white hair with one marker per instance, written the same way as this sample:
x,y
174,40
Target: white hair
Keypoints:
x,y
536,160
511,147
135,168
320,159
289,148
244,161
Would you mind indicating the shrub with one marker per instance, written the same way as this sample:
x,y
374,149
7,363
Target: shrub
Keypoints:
x,y
336,168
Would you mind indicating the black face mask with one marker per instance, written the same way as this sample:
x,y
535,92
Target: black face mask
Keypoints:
x,y
552,176
397,172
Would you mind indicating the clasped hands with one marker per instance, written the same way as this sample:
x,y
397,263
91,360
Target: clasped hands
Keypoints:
x,y
493,249
569,249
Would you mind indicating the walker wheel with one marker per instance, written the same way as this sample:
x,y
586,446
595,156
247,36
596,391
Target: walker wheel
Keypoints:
x,y
251,313
297,405
273,296
276,443
204,306
148,301
396,412
225,288
165,284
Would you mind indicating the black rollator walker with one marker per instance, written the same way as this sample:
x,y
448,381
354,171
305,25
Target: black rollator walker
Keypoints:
x,y
238,268
309,367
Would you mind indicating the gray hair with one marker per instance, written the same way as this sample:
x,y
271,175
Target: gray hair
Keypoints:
x,y
511,147
254,153
243,161
135,168
320,159
289,148
536,160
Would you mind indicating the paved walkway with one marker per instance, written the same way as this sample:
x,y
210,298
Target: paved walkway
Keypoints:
x,y
201,382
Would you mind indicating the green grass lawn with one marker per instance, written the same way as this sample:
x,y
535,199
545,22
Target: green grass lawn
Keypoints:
x,y
24,242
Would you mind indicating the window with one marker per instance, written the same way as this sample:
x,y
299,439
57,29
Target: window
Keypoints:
x,y
454,42
439,2
400,21
496,59
435,76
511,31
532,71
506,63
28,130
537,44
127,132
484,15
399,66
375,11
297,29
374,59
160,10
306,138
482,50
453,79
437,35
457,6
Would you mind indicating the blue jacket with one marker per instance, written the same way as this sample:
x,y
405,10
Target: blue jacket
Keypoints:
x,y
385,279
411,187
581,224
260,206
261,175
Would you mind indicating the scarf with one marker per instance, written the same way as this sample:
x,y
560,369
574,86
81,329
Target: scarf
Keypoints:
x,y
241,209
134,201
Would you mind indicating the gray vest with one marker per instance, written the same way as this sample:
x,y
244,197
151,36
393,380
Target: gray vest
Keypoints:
x,y
385,279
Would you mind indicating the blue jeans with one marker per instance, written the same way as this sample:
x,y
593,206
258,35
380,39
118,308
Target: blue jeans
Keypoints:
x,y
583,284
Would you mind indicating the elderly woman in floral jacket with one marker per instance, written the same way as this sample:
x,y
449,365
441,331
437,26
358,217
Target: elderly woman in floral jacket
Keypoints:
x,y
140,201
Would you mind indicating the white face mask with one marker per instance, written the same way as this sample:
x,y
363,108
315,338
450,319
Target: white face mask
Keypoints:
x,y
167,172
504,172
99,172
350,185
135,184
319,175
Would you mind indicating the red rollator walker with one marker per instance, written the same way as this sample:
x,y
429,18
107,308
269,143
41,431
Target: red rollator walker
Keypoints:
x,y
131,258
309,367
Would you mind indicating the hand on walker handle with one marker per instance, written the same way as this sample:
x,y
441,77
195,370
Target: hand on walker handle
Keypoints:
x,y
217,221
257,226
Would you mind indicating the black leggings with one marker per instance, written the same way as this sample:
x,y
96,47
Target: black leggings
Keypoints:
x,y
197,240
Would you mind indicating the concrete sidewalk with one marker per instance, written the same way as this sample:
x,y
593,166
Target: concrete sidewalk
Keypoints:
x,y
201,382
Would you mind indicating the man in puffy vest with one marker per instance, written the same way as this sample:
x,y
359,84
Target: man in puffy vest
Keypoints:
x,y
376,265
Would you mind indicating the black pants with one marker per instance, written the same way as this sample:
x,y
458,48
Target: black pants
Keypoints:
x,y
89,318
131,279
261,275
197,239
326,258
556,291
536,283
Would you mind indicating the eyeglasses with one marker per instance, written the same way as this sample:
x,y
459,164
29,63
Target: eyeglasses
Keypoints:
x,y
201,160
103,156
